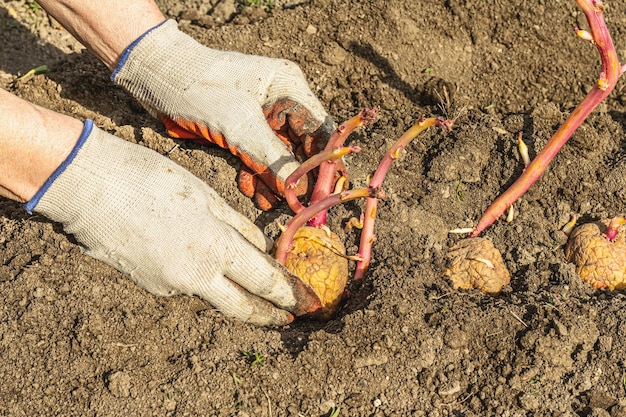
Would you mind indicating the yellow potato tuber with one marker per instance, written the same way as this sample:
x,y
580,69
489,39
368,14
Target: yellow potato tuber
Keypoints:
x,y
318,258
312,252
476,263
599,261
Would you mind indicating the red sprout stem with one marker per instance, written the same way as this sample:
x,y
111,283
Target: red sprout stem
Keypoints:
x,y
284,243
313,162
611,71
367,233
326,176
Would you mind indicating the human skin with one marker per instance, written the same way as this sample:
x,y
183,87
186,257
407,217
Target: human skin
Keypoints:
x,y
105,27
34,141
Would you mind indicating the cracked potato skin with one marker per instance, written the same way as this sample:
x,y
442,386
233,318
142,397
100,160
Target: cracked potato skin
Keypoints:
x,y
469,266
598,261
313,261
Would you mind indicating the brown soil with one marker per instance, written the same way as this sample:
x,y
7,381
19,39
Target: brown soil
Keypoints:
x,y
77,338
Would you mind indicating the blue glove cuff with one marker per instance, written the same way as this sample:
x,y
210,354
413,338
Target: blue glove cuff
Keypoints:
x,y
87,128
129,49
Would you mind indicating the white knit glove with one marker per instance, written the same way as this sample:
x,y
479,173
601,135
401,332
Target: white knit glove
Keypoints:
x,y
144,215
228,98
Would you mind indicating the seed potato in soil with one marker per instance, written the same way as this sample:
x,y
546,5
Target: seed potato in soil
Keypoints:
x,y
77,338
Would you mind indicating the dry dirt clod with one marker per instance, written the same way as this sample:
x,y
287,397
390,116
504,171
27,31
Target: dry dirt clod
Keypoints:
x,y
598,261
318,258
476,263
119,384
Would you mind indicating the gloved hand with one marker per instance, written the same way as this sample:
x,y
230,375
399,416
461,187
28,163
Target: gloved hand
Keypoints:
x,y
144,215
234,100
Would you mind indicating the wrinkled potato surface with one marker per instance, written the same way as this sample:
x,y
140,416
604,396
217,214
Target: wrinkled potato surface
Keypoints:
x,y
598,261
476,263
317,259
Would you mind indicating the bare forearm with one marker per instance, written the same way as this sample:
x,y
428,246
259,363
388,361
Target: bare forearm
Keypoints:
x,y
33,142
105,27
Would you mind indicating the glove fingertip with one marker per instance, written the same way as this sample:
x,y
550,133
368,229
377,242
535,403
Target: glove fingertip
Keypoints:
x,y
277,185
265,199
285,320
270,316
307,302
247,182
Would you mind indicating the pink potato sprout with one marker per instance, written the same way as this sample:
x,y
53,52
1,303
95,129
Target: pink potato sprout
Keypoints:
x,y
319,258
599,36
